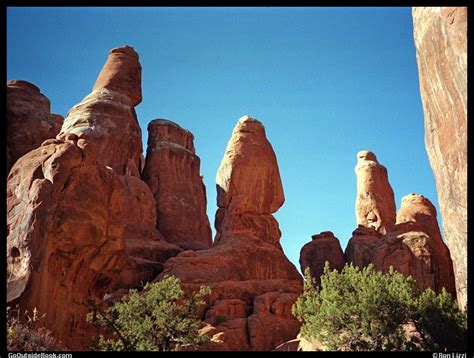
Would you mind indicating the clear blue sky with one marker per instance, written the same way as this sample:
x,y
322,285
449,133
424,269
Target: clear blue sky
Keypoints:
x,y
326,83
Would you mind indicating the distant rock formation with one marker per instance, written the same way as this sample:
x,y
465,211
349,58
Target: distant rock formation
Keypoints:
x,y
323,247
29,120
78,228
172,170
375,202
246,262
107,115
410,241
414,246
441,52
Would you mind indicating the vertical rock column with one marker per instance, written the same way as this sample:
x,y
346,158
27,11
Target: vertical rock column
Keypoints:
x,y
172,171
249,187
253,283
440,35
375,203
107,115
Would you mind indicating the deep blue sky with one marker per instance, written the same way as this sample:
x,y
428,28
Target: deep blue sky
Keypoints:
x,y
326,83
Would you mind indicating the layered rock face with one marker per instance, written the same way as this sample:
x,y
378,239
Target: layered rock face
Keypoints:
x,y
29,120
172,170
246,262
323,247
78,229
375,203
441,52
107,116
414,247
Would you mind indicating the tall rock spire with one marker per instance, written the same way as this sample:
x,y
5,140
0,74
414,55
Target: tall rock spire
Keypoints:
x,y
107,116
172,170
375,202
249,187
253,283
122,73
79,227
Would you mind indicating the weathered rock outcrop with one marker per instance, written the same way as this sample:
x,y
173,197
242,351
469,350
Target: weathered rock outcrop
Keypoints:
x,y
360,248
414,247
441,52
29,120
65,240
172,172
107,115
246,261
77,228
375,203
323,247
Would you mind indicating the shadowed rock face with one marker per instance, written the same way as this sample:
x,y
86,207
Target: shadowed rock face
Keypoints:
x,y
375,203
246,261
107,115
323,247
440,36
29,120
172,170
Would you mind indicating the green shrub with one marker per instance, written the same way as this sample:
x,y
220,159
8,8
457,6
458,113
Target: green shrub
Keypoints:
x,y
367,310
441,322
159,318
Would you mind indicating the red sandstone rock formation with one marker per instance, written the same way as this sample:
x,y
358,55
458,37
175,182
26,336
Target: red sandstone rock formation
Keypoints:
x,y
323,247
360,248
375,203
441,52
146,248
76,227
246,262
414,247
65,241
248,183
122,73
107,116
172,172
29,120
76,230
